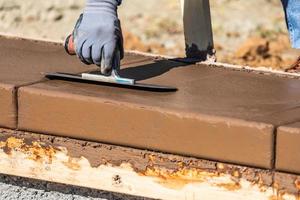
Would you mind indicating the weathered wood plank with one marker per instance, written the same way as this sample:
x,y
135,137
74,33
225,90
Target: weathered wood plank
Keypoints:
x,y
130,171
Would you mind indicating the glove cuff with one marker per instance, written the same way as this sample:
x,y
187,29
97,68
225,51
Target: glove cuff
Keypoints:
x,y
114,2
95,6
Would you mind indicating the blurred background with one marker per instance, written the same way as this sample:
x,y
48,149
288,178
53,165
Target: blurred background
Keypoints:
x,y
251,32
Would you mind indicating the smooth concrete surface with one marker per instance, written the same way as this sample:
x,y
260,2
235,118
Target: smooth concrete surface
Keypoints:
x,y
217,113
288,148
24,62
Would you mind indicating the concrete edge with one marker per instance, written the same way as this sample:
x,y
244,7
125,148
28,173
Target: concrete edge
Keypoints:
x,y
288,129
283,164
61,42
262,69
21,37
210,121
212,118
10,119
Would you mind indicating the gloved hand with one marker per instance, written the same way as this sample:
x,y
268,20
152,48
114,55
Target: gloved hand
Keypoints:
x,y
98,36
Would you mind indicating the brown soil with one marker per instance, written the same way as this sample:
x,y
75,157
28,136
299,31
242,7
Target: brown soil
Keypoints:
x,y
259,51
133,42
255,51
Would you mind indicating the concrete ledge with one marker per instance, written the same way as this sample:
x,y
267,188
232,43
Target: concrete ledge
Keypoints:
x,y
217,114
8,112
104,120
231,119
25,62
288,148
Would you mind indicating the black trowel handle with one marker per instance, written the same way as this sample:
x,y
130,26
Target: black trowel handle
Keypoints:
x,y
69,45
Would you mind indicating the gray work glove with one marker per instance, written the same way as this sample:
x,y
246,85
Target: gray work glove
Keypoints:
x,y
98,36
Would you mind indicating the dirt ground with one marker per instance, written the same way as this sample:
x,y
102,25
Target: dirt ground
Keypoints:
x,y
243,34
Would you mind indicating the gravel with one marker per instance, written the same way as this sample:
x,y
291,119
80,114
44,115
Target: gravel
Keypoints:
x,y
15,188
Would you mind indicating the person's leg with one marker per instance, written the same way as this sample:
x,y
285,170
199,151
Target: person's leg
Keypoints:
x,y
292,14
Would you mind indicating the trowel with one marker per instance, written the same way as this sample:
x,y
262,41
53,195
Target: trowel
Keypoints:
x,y
114,79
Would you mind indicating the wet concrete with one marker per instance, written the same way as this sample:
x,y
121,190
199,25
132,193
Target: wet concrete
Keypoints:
x,y
288,148
8,106
217,113
25,62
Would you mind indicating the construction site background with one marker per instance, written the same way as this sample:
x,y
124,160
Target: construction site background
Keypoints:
x,y
245,32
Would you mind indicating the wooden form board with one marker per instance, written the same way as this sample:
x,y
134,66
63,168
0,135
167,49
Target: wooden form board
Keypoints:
x,y
132,171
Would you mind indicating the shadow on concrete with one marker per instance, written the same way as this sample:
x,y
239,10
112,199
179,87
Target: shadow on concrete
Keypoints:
x,y
41,190
147,71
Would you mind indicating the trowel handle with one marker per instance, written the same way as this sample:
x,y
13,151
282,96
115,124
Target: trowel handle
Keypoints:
x,y
69,45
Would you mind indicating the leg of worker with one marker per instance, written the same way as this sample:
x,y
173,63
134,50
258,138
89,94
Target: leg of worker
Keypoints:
x,y
292,14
